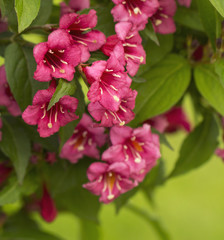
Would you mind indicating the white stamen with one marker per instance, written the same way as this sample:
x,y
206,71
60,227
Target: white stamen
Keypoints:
x,y
50,51
90,142
61,51
63,61
158,22
116,98
109,70
53,68
82,43
61,109
129,45
115,89
116,75
124,110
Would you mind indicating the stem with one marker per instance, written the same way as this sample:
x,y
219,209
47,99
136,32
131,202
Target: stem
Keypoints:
x,y
152,220
79,68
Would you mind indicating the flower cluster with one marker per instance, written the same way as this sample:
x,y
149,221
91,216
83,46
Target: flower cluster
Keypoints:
x,y
132,155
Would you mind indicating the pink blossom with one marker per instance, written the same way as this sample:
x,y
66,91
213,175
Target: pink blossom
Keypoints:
x,y
49,121
57,57
109,181
171,121
84,141
106,79
80,27
138,148
6,97
185,3
47,205
163,19
135,11
121,117
129,43
74,6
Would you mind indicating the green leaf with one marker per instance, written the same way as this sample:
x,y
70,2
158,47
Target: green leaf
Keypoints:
x,y
155,53
10,194
20,66
162,138
66,132
210,87
64,88
188,18
9,12
165,85
208,18
219,5
150,33
44,13
26,11
198,146
16,145
219,69
21,227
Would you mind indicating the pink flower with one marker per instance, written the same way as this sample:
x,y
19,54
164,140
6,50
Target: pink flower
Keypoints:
x,y
108,181
6,97
185,3
84,141
106,80
50,121
0,128
138,148
135,11
171,121
121,117
163,19
220,153
74,6
80,27
56,57
5,171
47,205
129,43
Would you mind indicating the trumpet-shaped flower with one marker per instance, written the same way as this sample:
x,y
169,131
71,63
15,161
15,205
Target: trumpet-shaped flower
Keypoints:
x,y
84,141
124,114
80,27
57,57
50,121
138,148
109,181
74,6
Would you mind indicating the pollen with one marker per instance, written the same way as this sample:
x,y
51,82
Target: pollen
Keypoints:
x,y
49,125
62,71
116,98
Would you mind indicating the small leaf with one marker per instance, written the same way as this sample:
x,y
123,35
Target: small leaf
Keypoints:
x,y
149,31
10,13
66,132
198,146
16,145
64,88
26,11
219,5
219,69
210,87
165,85
10,194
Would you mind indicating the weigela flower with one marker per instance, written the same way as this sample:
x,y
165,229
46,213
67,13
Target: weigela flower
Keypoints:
x,y
84,141
74,6
109,181
5,170
47,206
121,117
6,97
129,42
51,157
80,27
185,3
50,121
135,11
138,148
107,78
171,121
57,57
163,18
